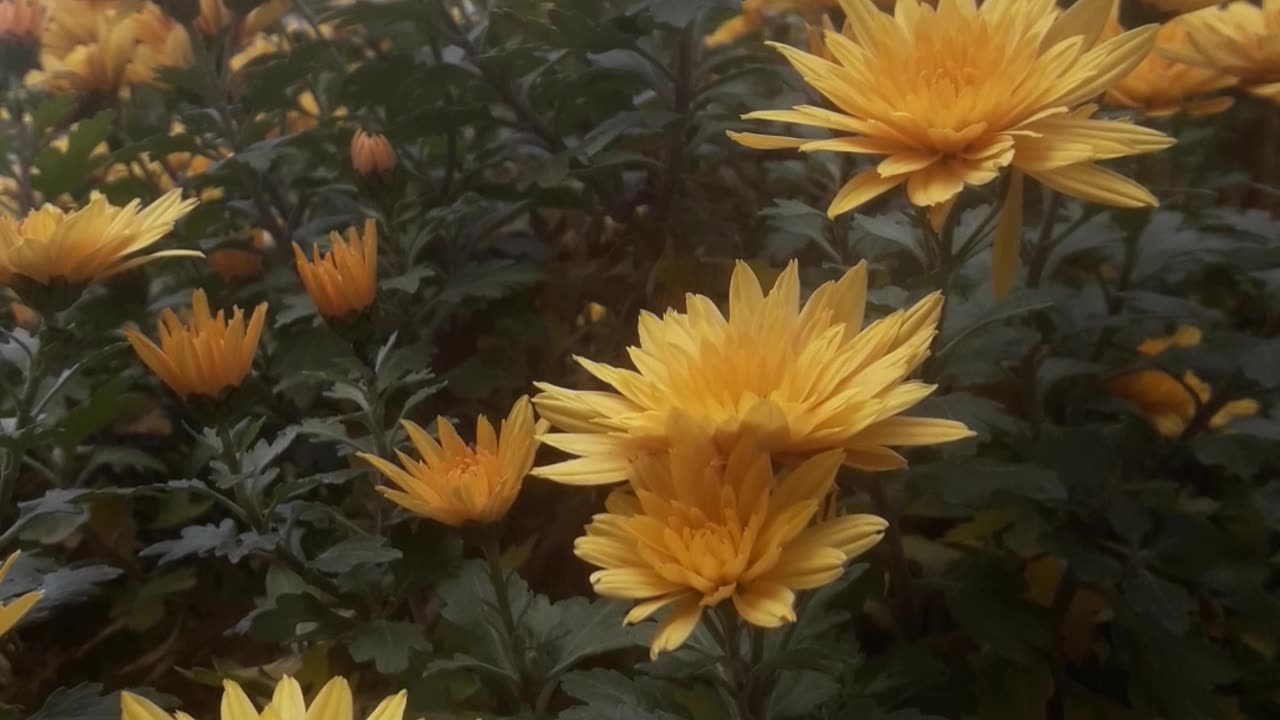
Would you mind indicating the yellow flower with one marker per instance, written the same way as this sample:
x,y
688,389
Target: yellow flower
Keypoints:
x,y
800,379
205,356
261,45
693,531
238,264
86,50
1167,403
456,484
1240,39
345,279
162,42
13,611
1160,86
21,20
756,12
333,702
371,153
215,17
90,244
953,96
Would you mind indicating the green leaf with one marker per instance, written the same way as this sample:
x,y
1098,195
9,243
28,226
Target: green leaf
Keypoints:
x,y
80,702
387,644
62,172
348,554
587,628
680,13
1167,603
194,540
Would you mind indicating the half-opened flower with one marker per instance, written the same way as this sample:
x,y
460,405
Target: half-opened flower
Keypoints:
x,y
455,483
333,702
205,356
692,531
1241,39
90,244
345,279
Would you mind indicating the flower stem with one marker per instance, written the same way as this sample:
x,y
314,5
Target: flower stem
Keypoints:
x,y
498,577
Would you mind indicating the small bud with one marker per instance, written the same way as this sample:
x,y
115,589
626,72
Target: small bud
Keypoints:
x,y
371,153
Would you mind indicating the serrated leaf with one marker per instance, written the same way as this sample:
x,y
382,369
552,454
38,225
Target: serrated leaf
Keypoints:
x,y
387,644
356,551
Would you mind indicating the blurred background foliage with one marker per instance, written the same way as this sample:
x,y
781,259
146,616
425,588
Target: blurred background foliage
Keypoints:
x,y
560,167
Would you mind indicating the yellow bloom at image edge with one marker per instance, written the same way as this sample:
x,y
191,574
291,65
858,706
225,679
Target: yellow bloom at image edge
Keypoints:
x,y
12,611
801,379
1166,402
333,702
694,529
454,483
91,244
205,356
953,96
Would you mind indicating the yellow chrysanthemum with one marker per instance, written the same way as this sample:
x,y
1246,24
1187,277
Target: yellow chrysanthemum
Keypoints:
x,y
1240,39
239,264
693,531
345,279
799,379
12,611
162,42
1160,86
86,50
953,96
1166,402
371,153
215,17
90,244
456,484
755,13
206,355
333,702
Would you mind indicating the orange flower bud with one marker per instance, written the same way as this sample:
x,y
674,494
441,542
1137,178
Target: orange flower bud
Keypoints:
x,y
371,153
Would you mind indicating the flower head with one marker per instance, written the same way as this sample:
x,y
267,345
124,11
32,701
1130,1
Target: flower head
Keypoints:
x,y
1161,86
345,279
692,531
87,49
455,483
754,13
12,611
1168,403
371,153
162,42
215,17
91,244
238,264
800,379
333,702
206,355
21,20
952,97
1240,39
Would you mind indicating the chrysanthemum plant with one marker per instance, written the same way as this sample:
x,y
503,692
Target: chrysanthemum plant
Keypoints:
x,y
635,358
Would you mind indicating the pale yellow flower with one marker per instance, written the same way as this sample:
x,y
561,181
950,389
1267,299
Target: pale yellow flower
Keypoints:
x,y
333,702
13,610
344,280
955,97
801,379
1161,86
457,484
692,530
86,50
1240,39
91,244
162,42
206,356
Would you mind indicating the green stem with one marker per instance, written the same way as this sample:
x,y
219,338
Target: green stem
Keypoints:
x,y
1044,239
498,577
902,585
